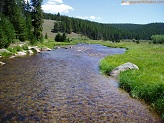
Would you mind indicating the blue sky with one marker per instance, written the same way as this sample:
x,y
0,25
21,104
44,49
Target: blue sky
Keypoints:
x,y
107,11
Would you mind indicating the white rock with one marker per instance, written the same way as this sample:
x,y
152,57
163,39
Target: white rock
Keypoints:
x,y
30,52
57,47
45,49
21,53
2,63
4,50
34,48
29,47
11,57
127,66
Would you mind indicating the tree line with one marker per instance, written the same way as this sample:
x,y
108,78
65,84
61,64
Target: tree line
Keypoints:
x,y
99,31
20,20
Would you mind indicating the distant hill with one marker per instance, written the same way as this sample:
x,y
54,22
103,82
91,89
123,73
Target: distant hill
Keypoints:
x,y
100,31
48,26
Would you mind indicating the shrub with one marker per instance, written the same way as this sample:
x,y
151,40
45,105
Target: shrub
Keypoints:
x,y
158,39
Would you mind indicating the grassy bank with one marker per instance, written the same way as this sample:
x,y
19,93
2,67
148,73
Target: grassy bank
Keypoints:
x,y
15,47
146,83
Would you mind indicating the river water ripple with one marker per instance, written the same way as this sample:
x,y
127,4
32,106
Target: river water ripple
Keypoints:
x,y
65,86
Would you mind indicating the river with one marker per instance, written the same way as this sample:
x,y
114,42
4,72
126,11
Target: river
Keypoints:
x,y
65,86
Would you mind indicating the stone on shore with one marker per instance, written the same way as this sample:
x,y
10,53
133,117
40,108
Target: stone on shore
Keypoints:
x,y
127,66
30,52
13,56
4,50
21,53
2,63
34,48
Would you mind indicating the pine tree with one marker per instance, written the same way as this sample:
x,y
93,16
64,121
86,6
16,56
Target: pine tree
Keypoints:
x,y
1,7
46,36
58,17
37,17
6,32
63,37
68,26
28,18
56,27
13,10
58,37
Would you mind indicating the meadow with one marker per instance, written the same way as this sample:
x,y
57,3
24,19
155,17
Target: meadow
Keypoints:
x,y
147,83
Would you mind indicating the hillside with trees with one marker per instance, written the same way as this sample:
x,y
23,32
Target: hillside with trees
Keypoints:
x,y
21,21
99,31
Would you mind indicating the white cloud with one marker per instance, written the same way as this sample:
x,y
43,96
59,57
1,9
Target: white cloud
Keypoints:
x,y
99,18
58,1
90,18
82,17
125,3
55,6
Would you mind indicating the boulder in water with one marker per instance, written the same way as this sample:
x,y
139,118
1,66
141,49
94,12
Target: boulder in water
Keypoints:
x,y
45,49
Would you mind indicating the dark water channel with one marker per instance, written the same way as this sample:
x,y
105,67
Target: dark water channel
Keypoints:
x,y
65,86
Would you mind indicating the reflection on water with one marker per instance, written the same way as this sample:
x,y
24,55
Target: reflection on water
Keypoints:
x,y
64,86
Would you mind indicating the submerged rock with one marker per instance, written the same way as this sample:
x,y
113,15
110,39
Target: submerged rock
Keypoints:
x,y
127,66
57,47
45,49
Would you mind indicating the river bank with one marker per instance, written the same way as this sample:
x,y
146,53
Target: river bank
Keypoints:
x,y
145,83
23,49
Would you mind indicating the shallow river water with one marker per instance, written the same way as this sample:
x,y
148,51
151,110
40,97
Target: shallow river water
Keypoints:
x,y
65,86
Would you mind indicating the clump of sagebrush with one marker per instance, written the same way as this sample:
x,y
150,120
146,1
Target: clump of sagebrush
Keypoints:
x,y
158,39
146,83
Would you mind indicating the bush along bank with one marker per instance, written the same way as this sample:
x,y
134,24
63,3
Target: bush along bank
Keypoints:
x,y
146,83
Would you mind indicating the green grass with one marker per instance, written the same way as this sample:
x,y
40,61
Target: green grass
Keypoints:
x,y
146,83
6,54
50,43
